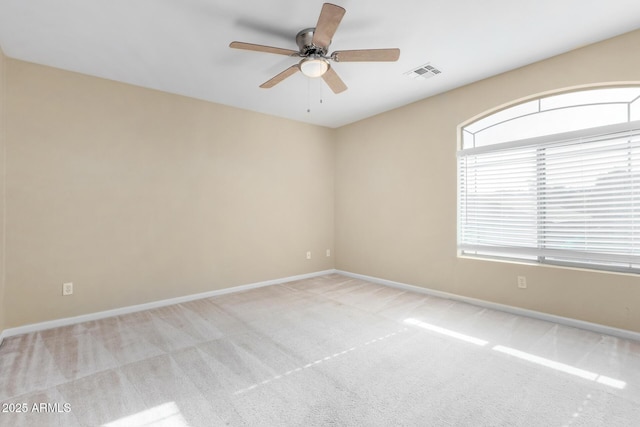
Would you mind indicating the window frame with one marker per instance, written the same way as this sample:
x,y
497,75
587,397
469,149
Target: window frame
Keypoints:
x,y
536,141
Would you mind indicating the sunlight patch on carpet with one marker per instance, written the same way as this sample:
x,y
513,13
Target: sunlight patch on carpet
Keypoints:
x,y
611,382
317,362
558,366
167,414
447,332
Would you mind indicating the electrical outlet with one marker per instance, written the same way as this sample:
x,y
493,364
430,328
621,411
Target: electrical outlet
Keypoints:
x,y
67,289
328,252
522,282
309,255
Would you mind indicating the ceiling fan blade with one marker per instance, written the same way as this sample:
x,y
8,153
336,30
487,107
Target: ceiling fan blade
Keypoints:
x,y
280,77
383,55
261,48
334,81
328,22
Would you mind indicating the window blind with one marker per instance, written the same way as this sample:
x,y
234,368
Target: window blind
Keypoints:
x,y
572,198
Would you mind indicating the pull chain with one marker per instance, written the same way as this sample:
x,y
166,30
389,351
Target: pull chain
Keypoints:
x,y
321,94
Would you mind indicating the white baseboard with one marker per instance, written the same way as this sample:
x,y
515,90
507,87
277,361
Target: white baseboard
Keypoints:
x,y
35,327
593,327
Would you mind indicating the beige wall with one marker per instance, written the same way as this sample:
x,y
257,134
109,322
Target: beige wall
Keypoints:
x,y
136,195
396,195
3,98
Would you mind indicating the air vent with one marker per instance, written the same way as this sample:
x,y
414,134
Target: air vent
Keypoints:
x,y
423,72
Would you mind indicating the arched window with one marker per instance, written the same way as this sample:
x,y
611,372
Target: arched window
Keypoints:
x,y
554,180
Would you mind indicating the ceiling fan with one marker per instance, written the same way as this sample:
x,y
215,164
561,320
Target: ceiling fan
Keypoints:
x,y
313,44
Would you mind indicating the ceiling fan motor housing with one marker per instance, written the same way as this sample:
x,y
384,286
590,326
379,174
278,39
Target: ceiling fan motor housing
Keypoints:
x,y
304,39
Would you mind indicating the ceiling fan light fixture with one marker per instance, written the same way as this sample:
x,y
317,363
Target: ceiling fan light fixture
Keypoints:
x,y
314,67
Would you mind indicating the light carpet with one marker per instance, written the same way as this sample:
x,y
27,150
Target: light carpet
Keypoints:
x,y
330,350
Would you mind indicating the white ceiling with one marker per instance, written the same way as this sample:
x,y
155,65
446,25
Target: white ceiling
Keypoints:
x,y
181,46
